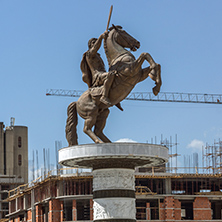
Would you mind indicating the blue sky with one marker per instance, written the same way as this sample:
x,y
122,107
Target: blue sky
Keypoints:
x,y
41,46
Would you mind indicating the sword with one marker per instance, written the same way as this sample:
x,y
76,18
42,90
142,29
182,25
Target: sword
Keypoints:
x,y
110,13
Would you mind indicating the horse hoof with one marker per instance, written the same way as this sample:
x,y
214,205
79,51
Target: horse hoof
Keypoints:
x,y
156,90
98,141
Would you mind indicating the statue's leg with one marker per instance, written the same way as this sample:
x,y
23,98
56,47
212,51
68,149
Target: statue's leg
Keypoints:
x,y
107,84
145,73
107,80
154,71
100,124
148,72
89,123
146,56
157,72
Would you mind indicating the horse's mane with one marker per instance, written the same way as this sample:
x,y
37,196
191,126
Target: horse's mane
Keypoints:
x,y
117,26
106,52
105,43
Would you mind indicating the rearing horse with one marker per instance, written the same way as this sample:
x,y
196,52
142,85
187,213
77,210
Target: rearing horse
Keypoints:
x,y
129,72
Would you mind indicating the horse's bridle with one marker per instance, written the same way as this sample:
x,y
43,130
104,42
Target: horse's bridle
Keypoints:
x,y
131,46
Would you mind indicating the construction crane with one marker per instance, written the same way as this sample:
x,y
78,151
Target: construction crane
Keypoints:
x,y
148,96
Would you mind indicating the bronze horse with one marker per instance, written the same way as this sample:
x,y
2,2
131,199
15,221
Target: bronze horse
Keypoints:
x,y
129,72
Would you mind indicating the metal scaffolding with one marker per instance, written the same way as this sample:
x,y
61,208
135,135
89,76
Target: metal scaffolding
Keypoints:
x,y
212,157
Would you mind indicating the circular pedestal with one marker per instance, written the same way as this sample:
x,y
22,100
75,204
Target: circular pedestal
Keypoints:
x,y
113,167
106,155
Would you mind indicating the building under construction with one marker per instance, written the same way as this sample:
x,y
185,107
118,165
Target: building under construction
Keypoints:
x,y
13,160
159,196
162,194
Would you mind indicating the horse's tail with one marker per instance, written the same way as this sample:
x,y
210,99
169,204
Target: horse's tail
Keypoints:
x,y
71,123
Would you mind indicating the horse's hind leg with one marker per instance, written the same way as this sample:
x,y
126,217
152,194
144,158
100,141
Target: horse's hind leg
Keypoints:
x,y
89,123
100,124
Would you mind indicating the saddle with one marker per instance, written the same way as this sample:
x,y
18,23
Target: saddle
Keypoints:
x,y
96,91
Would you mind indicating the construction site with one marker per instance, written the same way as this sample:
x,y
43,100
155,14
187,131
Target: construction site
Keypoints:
x,y
169,192
164,193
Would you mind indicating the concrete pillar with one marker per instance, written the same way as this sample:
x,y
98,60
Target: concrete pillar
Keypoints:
x,y
202,209
54,210
10,207
148,216
74,210
16,204
60,188
168,186
25,201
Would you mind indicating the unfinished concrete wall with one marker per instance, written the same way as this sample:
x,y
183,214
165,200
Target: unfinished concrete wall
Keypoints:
x,y
21,152
9,148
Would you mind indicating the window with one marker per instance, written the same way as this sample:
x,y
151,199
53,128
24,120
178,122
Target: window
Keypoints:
x,y
19,141
19,159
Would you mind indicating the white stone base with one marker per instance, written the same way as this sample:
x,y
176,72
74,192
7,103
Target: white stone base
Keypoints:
x,y
108,179
114,208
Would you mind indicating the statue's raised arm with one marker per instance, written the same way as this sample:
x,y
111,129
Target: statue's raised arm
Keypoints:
x,y
93,69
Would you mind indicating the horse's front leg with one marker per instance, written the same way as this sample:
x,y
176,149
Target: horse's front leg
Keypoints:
x,y
146,56
154,71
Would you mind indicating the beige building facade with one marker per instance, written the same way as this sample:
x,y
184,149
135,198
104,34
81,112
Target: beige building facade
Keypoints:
x,y
14,151
13,160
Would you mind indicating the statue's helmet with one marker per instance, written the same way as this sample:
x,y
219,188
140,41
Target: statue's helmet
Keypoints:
x,y
92,40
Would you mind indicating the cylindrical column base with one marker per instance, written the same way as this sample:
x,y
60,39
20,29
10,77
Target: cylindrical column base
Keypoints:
x,y
114,208
114,195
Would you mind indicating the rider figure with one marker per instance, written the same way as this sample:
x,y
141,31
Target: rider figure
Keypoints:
x,y
93,69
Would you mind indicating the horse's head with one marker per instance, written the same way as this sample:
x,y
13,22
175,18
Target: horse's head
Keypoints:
x,y
124,39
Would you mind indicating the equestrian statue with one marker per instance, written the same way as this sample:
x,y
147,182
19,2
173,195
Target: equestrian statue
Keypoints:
x,y
106,89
